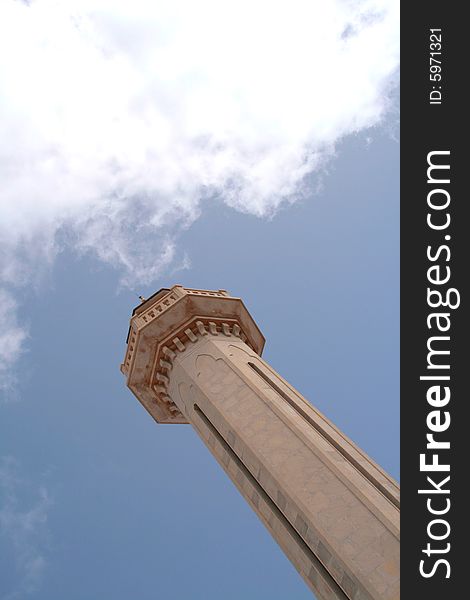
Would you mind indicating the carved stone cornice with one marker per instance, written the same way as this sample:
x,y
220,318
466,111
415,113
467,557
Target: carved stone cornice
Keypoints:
x,y
180,342
166,324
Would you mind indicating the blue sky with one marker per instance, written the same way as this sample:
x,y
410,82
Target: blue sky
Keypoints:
x,y
135,157
126,508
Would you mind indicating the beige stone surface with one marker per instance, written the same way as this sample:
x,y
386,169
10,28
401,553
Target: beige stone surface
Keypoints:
x,y
194,357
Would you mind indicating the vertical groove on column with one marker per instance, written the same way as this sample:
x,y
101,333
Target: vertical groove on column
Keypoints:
x,y
357,465
317,565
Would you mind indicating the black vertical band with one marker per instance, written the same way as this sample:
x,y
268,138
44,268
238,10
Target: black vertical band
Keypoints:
x,y
434,270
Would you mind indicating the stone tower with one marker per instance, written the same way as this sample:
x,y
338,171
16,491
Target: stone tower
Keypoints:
x,y
193,356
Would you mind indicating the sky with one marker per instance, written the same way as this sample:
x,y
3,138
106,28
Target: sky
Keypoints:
x,y
250,147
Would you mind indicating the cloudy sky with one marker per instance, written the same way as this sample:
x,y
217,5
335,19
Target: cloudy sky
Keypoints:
x,y
250,146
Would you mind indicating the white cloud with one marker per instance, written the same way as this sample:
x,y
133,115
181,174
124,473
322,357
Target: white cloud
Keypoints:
x,y
118,118
22,530
12,337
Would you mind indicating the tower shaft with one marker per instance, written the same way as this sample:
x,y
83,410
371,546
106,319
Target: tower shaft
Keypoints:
x,y
332,510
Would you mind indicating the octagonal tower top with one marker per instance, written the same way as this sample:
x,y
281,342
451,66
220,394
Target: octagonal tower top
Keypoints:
x,y
163,324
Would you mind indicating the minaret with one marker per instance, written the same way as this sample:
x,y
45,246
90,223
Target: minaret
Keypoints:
x,y
193,356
